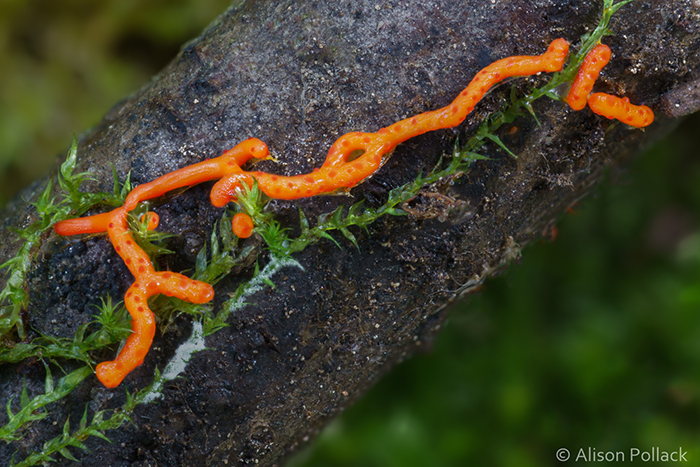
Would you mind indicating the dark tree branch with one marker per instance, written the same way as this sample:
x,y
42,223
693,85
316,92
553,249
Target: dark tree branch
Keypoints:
x,y
298,75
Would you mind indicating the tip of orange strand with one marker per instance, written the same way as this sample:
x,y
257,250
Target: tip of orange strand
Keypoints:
x,y
242,225
153,219
110,374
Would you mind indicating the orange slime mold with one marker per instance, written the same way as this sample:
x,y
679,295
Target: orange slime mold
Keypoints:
x,y
337,172
148,281
601,103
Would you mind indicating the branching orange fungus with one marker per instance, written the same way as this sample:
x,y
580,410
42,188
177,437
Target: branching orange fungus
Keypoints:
x,y
337,172
148,281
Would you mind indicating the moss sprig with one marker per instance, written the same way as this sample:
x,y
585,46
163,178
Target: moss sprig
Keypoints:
x,y
49,210
31,410
113,325
97,427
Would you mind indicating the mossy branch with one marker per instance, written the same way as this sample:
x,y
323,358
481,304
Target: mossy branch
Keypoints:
x,y
212,264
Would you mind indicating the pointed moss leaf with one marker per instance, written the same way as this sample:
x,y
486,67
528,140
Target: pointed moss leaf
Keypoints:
x,y
483,131
396,192
75,442
11,262
303,221
72,380
355,208
65,453
395,211
324,234
200,263
127,187
349,236
475,156
83,419
97,433
611,10
48,383
498,141
24,397
66,428
337,216
45,201
68,165
7,322
529,108
586,37
552,95
10,415
80,334
98,417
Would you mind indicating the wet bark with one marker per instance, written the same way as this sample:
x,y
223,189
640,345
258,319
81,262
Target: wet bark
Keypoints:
x,y
298,75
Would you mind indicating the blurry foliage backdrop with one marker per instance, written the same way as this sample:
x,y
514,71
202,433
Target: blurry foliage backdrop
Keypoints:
x,y
592,341
64,63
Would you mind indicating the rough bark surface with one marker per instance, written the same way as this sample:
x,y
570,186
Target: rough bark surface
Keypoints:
x,y
298,75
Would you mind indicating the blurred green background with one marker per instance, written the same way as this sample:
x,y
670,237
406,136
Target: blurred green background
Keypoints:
x,y
593,340
65,63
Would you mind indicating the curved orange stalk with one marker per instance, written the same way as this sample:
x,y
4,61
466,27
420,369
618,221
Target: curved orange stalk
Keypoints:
x,y
83,225
620,109
96,224
587,76
212,169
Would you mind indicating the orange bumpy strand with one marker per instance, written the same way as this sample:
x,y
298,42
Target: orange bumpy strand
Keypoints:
x,y
338,172
228,163
620,109
83,225
587,76
148,282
